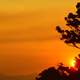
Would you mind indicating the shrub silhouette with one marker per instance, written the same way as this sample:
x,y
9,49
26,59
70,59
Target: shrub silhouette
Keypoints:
x,y
61,72
72,34
49,74
54,74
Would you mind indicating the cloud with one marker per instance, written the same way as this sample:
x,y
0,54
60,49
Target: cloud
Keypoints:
x,y
36,34
23,27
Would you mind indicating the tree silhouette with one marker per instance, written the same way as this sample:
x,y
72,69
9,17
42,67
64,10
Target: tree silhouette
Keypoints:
x,y
71,35
61,72
52,73
49,74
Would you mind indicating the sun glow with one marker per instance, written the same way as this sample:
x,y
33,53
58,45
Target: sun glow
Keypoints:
x,y
72,63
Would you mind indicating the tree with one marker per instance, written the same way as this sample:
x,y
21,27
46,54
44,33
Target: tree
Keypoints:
x,y
71,35
60,73
49,74
53,74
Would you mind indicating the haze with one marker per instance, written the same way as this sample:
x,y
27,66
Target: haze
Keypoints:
x,y
28,39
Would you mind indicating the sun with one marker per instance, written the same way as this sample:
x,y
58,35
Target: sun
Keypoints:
x,y
72,63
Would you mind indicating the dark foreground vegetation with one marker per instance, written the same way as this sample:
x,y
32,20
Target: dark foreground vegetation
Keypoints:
x,y
61,72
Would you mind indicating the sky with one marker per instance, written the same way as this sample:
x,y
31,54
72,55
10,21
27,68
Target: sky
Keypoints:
x,y
29,42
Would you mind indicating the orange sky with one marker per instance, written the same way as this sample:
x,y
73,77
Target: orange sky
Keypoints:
x,y
28,40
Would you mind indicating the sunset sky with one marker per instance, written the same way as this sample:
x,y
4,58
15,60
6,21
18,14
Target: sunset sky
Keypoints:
x,y
28,40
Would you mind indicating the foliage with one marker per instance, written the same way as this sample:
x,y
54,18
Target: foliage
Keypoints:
x,y
71,35
61,72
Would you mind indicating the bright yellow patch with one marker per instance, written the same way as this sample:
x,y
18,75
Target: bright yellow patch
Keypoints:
x,y
72,63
